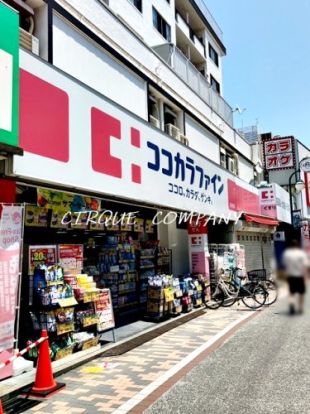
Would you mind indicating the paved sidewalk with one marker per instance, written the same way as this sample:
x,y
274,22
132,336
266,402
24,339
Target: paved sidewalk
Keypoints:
x,y
105,385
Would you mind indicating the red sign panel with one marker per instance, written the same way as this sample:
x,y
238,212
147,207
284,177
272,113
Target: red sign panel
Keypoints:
x,y
279,153
241,199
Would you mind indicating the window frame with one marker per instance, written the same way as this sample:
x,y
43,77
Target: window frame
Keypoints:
x,y
133,3
163,24
213,55
213,81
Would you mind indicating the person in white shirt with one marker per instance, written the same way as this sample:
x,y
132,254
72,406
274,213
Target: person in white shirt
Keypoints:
x,y
296,264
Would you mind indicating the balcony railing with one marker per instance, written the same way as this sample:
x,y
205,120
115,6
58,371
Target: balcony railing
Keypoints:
x,y
195,80
205,11
190,34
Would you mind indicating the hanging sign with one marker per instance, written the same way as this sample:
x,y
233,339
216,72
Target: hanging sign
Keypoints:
x,y
36,216
139,225
11,223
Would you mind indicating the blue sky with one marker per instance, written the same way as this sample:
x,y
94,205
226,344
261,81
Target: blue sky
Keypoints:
x,y
267,67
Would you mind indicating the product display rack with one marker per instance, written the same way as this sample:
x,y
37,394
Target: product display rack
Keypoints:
x,y
58,306
146,259
163,260
117,271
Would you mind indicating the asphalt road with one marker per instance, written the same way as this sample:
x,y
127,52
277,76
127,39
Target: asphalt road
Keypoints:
x,y
263,368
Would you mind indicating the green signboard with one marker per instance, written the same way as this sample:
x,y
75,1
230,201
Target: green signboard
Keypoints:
x,y
9,75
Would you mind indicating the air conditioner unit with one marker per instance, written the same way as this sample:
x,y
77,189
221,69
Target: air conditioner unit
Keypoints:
x,y
28,41
235,157
154,121
173,131
184,140
232,165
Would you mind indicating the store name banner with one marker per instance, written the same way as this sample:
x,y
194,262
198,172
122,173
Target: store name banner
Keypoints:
x,y
11,222
94,145
279,153
275,203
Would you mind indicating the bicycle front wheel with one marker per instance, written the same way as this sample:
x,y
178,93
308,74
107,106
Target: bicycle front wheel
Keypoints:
x,y
214,296
254,296
230,294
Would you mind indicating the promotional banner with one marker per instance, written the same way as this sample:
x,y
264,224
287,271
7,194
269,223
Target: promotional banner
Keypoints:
x,y
11,223
38,255
66,201
70,257
92,144
104,309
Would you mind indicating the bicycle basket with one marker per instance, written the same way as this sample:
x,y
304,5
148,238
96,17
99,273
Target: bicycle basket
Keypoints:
x,y
258,274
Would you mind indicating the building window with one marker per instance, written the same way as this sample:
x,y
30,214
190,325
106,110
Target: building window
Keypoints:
x,y
215,85
213,55
161,25
137,4
229,159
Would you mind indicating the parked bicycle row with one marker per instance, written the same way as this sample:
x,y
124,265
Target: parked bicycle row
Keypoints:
x,y
254,290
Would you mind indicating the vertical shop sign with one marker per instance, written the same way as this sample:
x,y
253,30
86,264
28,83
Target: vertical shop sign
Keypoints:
x,y
11,222
9,75
268,202
198,247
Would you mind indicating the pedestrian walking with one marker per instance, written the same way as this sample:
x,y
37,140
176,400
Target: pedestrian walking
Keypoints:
x,y
296,266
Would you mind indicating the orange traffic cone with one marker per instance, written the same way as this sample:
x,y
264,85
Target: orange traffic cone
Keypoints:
x,y
1,409
44,382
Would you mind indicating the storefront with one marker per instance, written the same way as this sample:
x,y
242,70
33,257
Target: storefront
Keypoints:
x,y
84,152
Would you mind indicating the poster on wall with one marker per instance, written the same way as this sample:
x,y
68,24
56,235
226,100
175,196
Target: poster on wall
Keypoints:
x,y
70,257
41,255
104,309
11,223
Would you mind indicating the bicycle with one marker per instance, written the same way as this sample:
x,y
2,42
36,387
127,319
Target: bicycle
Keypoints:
x,y
259,277
252,296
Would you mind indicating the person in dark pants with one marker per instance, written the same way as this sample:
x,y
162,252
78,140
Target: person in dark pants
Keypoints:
x,y
296,264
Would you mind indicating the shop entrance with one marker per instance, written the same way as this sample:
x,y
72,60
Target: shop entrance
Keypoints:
x,y
119,255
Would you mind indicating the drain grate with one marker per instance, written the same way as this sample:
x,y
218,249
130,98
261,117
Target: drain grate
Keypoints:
x,y
19,405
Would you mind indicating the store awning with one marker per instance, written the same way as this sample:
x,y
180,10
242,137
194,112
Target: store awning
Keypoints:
x,y
261,220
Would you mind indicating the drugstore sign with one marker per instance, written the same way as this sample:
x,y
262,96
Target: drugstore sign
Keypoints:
x,y
9,75
73,136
